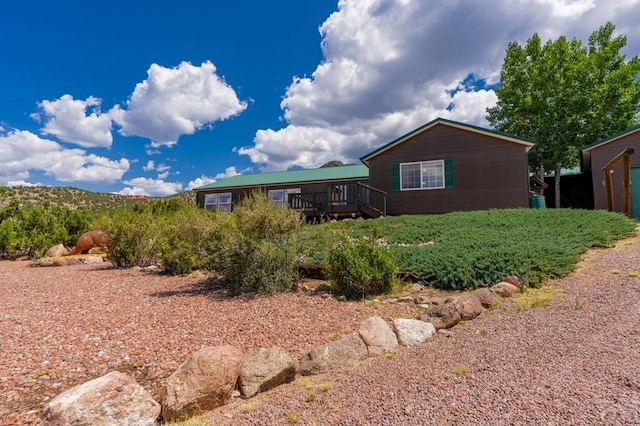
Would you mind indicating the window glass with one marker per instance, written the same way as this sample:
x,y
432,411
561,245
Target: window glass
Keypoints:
x,y
423,175
218,202
410,176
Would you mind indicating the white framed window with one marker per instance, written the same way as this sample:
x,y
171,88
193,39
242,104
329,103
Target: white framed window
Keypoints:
x,y
218,202
422,175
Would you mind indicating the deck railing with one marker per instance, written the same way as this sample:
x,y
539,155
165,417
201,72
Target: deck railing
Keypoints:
x,y
341,200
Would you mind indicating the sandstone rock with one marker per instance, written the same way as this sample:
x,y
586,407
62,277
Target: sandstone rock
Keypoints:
x,y
422,300
504,289
486,296
405,299
378,336
114,399
57,250
412,331
515,280
203,382
469,306
264,370
92,259
442,316
333,355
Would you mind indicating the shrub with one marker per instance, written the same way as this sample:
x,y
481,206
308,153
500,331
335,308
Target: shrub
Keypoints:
x,y
262,252
358,267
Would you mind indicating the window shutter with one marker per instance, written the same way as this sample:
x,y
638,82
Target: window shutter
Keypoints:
x,y
233,200
395,177
448,173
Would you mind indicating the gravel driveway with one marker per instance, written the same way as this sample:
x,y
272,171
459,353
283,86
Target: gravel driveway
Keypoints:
x,y
576,361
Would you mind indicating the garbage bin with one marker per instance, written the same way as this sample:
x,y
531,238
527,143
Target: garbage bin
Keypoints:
x,y
537,202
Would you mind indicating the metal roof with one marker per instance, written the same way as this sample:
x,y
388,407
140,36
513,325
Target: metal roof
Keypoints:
x,y
292,176
528,143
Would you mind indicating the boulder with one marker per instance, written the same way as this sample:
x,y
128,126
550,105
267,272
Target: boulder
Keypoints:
x,y
442,316
486,296
469,306
264,370
515,280
412,331
504,289
333,355
113,399
378,336
94,238
56,251
203,382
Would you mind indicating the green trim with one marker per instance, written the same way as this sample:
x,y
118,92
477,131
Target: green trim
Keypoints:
x,y
395,177
449,175
528,143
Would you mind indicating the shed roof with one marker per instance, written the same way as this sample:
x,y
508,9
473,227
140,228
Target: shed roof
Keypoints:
x,y
527,143
322,174
604,141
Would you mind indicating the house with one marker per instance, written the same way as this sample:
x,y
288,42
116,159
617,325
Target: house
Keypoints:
x,y
326,191
596,156
443,166
447,166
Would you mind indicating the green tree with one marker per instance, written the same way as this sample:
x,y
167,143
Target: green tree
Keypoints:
x,y
565,95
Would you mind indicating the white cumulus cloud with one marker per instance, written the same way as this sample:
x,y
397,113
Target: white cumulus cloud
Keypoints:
x,y
22,151
176,101
390,66
67,119
141,186
204,180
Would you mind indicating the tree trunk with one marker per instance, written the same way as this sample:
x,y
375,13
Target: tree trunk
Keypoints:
x,y
557,183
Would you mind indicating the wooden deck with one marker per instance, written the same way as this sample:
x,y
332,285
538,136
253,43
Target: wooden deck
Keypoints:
x,y
340,201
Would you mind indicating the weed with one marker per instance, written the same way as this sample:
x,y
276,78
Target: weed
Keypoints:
x,y
293,417
615,271
578,304
306,383
460,369
483,332
391,355
633,274
310,398
325,387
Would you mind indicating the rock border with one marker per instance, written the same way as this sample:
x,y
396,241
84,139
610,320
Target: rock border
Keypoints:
x,y
211,376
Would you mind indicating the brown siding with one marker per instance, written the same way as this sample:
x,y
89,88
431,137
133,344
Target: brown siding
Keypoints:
x,y
600,156
489,172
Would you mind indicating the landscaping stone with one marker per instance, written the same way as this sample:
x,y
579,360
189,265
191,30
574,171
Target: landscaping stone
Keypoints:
x,y
412,331
203,382
486,296
378,336
114,399
515,280
442,316
333,355
504,289
468,306
264,370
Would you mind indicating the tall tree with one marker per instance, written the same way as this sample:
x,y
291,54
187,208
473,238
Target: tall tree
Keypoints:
x,y
565,95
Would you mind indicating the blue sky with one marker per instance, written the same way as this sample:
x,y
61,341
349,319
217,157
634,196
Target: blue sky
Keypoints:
x,y
153,98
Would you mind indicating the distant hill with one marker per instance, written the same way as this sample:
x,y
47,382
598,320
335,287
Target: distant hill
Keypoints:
x,y
75,198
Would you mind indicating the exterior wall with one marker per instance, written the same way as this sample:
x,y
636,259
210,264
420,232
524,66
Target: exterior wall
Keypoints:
x,y
488,172
600,156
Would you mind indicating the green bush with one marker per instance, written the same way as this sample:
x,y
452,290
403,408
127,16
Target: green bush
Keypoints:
x,y
358,267
32,231
262,254
194,239
135,237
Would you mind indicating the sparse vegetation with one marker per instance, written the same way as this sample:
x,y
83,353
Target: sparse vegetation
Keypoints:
x,y
460,370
